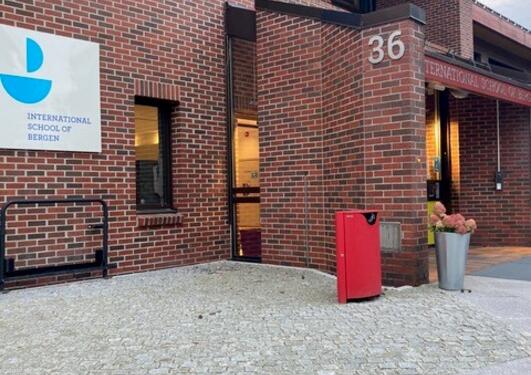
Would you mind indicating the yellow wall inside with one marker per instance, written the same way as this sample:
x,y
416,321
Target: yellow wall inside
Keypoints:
x,y
146,132
247,165
431,235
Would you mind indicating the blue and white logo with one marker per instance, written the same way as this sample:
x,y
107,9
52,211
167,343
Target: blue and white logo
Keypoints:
x,y
28,90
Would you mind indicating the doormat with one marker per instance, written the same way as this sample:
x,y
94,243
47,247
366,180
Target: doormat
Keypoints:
x,y
518,270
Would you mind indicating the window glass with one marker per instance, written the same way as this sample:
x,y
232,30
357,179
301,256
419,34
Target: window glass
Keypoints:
x,y
358,6
152,158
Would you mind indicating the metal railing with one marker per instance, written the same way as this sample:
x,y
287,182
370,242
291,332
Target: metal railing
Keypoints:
x,y
101,256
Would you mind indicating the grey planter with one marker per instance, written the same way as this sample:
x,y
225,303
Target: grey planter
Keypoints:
x,y
451,250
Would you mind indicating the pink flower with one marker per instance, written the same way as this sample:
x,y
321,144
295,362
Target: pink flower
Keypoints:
x,y
459,219
434,219
454,223
449,221
461,229
471,224
439,209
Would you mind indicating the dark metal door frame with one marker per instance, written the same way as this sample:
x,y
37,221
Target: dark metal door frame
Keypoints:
x,y
233,190
446,150
239,23
100,263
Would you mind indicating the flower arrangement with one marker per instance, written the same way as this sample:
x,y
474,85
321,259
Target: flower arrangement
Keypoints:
x,y
455,223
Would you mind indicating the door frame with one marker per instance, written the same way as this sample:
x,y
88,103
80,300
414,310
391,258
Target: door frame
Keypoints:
x,y
239,23
446,149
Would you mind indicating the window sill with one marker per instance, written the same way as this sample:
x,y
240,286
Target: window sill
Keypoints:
x,y
158,219
155,211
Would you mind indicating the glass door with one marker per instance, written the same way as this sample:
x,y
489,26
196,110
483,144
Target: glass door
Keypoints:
x,y
244,150
438,152
246,189
433,154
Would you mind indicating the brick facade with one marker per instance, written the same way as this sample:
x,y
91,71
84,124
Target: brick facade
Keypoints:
x,y
146,47
448,23
502,217
336,132
171,50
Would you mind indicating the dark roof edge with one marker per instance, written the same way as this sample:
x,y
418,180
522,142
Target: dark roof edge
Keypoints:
x,y
393,14
466,65
240,22
348,19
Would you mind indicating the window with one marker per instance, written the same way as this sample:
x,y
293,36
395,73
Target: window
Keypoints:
x,y
358,6
152,152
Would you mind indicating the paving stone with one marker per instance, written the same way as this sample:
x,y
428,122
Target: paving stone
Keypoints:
x,y
247,319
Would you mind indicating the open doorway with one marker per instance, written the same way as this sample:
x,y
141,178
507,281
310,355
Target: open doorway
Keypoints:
x,y
244,150
438,152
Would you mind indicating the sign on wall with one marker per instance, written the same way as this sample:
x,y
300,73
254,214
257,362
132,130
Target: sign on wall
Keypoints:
x,y
49,92
473,81
395,47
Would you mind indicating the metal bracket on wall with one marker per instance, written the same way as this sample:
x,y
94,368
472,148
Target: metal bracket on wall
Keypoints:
x,y
7,266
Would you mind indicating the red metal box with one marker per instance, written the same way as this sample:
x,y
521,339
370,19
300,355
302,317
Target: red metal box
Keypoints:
x,y
359,270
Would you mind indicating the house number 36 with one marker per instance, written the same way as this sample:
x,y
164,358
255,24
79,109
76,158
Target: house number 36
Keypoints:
x,y
395,47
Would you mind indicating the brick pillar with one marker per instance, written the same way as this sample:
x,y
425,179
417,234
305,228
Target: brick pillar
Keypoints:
x,y
466,29
343,143
394,150
291,155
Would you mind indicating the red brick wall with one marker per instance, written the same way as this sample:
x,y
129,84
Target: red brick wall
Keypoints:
x,y
289,114
52,236
448,23
176,48
343,127
358,131
173,43
503,216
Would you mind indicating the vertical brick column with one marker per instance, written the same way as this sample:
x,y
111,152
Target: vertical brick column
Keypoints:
x,y
449,23
290,121
343,141
394,150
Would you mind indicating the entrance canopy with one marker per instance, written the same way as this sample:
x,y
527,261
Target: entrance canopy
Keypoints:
x,y
459,74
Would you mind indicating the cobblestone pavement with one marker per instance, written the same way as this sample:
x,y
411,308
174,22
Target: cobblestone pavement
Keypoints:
x,y
242,318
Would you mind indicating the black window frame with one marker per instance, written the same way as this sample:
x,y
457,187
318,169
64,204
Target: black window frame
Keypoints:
x,y
165,109
361,6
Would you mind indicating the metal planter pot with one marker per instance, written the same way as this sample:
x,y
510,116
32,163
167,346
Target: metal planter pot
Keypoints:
x,y
451,250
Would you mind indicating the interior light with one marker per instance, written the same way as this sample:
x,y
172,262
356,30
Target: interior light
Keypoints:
x,y
459,94
243,121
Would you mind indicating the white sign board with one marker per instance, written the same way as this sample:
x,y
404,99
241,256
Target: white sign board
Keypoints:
x,y
49,92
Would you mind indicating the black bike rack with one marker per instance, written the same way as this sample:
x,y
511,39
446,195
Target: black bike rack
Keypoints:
x,y
7,267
